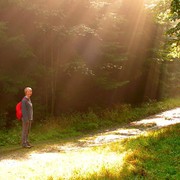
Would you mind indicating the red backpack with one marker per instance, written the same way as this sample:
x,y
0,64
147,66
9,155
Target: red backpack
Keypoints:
x,y
19,110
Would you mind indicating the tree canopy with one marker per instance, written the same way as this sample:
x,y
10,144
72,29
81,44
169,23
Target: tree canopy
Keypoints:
x,y
87,53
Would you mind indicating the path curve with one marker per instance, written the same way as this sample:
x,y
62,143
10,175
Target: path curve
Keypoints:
x,y
133,129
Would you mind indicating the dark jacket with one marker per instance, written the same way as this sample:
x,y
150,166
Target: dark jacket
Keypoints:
x,y
27,109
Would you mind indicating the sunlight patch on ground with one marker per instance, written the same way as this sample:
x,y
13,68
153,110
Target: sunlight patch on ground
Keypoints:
x,y
79,159
161,120
117,135
44,165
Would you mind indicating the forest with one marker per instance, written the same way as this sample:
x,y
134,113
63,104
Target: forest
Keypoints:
x,y
87,54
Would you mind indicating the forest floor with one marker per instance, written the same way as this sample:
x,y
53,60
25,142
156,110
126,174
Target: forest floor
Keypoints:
x,y
17,158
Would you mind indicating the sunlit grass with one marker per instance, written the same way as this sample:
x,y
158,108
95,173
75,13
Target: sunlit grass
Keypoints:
x,y
154,156
151,156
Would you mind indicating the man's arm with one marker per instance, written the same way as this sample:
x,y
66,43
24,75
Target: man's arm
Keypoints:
x,y
24,109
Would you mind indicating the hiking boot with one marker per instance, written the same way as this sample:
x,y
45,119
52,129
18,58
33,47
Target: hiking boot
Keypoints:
x,y
29,144
26,146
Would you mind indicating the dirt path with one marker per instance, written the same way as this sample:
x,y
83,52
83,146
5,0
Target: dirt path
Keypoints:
x,y
45,154
133,129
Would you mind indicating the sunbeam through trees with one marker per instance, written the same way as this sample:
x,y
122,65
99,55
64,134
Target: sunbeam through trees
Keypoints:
x,y
81,54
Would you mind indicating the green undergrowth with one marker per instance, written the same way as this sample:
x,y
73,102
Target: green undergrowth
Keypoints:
x,y
155,156
78,124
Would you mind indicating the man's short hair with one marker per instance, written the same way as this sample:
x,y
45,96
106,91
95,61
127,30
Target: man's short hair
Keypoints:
x,y
27,89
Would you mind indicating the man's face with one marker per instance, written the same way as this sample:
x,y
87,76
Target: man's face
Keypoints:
x,y
29,93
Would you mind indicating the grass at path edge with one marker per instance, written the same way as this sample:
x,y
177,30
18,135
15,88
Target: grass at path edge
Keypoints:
x,y
70,126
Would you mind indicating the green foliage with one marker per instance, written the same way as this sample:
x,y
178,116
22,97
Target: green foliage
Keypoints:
x,y
97,54
154,150
11,136
77,66
76,124
175,8
174,31
82,30
110,84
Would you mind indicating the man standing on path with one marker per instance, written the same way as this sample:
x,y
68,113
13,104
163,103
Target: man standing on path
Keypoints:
x,y
27,116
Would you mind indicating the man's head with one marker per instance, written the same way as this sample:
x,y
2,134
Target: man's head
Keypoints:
x,y
28,91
